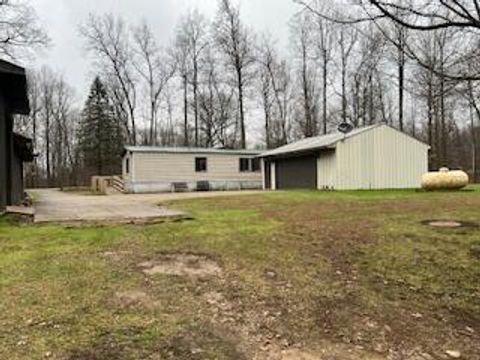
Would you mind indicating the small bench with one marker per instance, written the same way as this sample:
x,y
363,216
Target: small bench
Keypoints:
x,y
179,187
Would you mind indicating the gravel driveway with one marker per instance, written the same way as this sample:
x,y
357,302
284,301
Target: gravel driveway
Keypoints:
x,y
52,206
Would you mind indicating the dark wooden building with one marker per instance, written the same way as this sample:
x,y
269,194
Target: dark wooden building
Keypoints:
x,y
14,149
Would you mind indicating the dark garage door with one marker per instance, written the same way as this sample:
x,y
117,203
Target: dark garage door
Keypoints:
x,y
297,173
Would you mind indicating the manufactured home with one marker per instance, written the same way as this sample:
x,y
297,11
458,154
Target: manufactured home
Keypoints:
x,y
161,169
371,157
14,149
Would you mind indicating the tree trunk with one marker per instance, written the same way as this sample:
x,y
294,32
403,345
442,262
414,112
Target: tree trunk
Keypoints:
x,y
134,127
267,127
47,148
195,96
474,145
306,97
325,72
371,110
243,139
34,173
443,124
266,110
430,116
152,121
185,110
344,95
401,80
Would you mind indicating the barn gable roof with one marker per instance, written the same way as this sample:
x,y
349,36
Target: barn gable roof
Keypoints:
x,y
328,141
13,84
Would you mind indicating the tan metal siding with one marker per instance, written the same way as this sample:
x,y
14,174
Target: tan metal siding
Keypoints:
x,y
382,158
400,161
355,162
327,170
156,167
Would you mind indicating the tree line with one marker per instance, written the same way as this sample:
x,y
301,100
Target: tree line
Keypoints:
x,y
219,83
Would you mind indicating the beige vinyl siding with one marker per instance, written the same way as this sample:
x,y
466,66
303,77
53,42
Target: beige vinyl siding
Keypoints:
x,y
326,167
382,158
168,167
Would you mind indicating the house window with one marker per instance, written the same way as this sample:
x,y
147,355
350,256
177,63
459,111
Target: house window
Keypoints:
x,y
249,165
201,164
244,164
127,166
256,165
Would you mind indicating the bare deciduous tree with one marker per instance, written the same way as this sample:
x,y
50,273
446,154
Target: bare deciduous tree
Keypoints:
x,y
194,36
324,44
20,32
346,41
182,57
303,31
216,106
265,91
236,42
418,16
108,39
52,126
156,70
274,88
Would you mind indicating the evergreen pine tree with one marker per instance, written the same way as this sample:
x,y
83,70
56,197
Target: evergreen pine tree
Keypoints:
x,y
100,136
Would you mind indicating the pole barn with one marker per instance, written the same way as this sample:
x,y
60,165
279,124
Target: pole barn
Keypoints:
x,y
371,157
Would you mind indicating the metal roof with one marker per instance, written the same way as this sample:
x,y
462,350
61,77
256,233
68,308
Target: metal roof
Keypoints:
x,y
8,67
189,150
328,141
318,142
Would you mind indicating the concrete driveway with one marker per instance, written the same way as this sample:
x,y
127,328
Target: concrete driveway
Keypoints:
x,y
54,206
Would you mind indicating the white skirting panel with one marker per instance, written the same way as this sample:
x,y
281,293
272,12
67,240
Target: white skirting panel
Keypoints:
x,y
159,187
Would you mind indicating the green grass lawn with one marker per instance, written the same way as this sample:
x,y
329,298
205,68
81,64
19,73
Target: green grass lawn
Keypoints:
x,y
347,275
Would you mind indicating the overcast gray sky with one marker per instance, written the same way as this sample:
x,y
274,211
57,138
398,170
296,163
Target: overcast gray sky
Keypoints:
x,y
62,17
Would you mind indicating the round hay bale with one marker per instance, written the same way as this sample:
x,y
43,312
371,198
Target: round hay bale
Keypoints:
x,y
445,180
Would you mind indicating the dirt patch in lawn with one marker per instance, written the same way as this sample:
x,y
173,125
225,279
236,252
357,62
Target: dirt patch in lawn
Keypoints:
x,y
182,265
198,345
107,346
328,351
133,298
262,334
115,255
